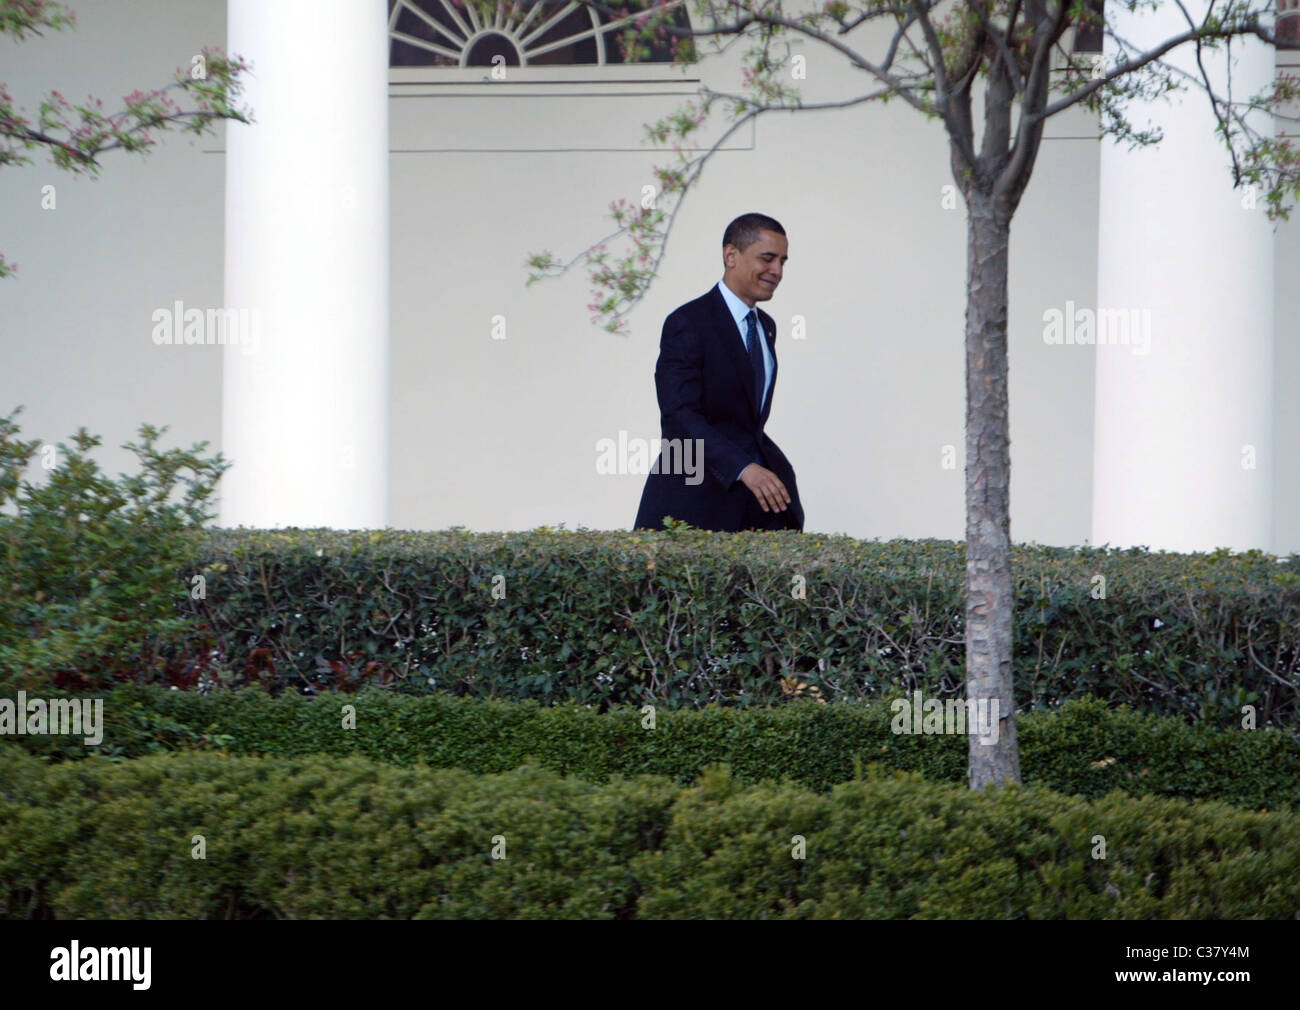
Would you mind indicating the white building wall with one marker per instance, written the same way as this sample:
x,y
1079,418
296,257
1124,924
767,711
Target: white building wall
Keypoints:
x,y
501,434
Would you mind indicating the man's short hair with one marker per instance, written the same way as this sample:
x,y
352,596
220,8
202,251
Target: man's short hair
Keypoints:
x,y
743,232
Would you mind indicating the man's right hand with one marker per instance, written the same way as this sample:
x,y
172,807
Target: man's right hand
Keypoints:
x,y
767,487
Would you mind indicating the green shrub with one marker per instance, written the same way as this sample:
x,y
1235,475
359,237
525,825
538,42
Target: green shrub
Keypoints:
x,y
899,847
116,581
1083,748
90,566
687,618
315,838
350,838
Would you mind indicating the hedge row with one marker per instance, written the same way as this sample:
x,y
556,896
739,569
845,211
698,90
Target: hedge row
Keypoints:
x,y
1083,748
207,836
685,618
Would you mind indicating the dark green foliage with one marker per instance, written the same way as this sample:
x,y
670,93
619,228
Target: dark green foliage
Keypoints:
x,y
1082,748
687,618
112,580
352,838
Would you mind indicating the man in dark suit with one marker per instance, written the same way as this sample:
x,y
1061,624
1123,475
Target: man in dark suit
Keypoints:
x,y
715,379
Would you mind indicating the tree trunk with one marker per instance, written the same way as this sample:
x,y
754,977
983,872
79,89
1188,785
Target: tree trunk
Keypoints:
x,y
994,757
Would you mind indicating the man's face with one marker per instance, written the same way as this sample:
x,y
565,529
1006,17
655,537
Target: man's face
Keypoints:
x,y
755,273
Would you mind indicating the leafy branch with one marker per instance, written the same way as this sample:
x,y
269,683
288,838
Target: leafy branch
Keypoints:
x,y
75,135
930,62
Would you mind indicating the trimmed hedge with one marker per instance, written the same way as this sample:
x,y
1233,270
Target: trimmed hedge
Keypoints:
x,y
1083,748
685,618
352,838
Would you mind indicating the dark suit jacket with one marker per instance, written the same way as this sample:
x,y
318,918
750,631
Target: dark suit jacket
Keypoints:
x,y
705,386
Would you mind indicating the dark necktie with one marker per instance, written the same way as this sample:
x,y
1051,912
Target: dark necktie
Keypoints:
x,y
756,357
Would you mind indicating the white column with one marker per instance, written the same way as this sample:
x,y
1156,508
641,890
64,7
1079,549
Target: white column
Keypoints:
x,y
1183,447
305,404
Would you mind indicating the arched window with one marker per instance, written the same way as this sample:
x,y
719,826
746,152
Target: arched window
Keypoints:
x,y
523,33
